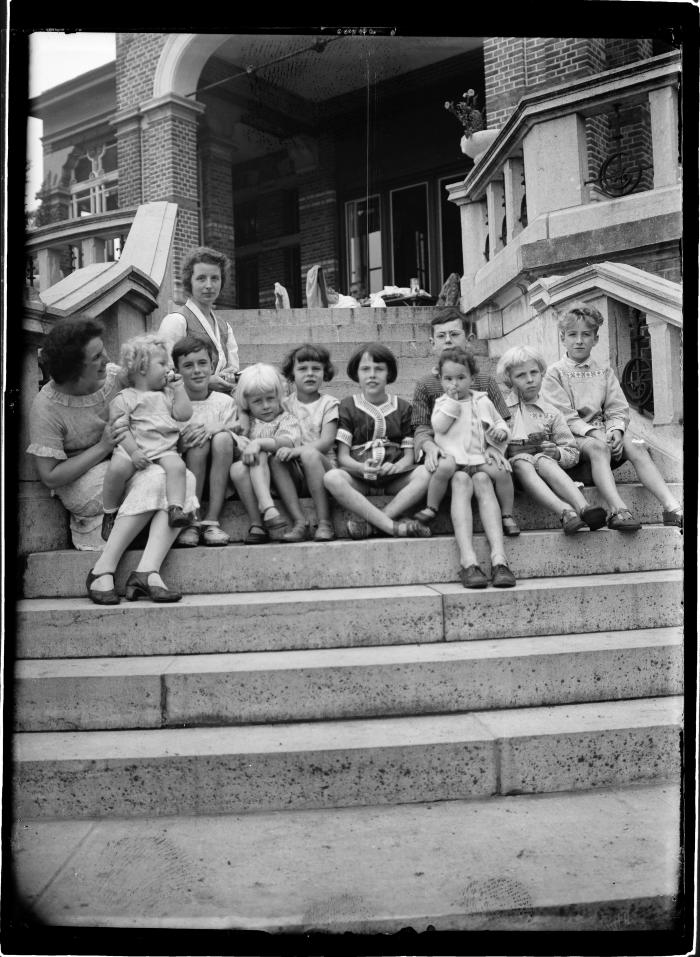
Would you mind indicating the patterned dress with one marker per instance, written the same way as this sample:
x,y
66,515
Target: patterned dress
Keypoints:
x,y
380,432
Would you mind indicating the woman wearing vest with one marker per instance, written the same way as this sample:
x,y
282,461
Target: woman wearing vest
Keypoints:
x,y
204,274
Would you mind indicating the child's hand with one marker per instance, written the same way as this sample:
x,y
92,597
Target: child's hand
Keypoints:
x,y
550,449
193,434
140,459
251,453
371,471
494,457
388,468
113,433
285,454
614,440
242,441
496,435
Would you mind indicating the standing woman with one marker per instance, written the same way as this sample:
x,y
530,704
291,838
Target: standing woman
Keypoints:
x,y
204,274
72,441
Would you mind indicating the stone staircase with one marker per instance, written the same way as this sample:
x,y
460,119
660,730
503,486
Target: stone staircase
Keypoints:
x,y
340,737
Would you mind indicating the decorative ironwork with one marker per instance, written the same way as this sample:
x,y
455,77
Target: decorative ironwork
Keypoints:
x,y
614,177
465,110
637,376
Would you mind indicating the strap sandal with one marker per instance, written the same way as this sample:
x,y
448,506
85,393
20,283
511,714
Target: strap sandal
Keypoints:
x,y
593,516
673,516
622,521
472,577
188,537
426,515
358,528
101,597
137,587
325,532
299,532
275,520
213,534
510,526
108,520
571,522
410,528
502,577
257,535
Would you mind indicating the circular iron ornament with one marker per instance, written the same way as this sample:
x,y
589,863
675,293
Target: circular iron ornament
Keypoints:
x,y
504,232
523,211
616,180
637,382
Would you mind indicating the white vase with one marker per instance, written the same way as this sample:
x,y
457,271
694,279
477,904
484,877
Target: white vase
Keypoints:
x,y
477,144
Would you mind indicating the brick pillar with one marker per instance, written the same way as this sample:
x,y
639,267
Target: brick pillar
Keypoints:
x,y
169,137
216,157
127,124
318,218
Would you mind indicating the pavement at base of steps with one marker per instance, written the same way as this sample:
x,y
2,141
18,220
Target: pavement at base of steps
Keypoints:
x,y
605,859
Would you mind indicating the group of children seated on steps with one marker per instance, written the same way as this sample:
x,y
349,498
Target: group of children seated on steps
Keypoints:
x,y
282,432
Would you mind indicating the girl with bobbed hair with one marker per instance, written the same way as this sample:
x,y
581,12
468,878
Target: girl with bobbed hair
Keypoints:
x,y
72,440
204,274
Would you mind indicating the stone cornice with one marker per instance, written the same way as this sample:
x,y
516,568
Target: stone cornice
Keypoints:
x,y
171,105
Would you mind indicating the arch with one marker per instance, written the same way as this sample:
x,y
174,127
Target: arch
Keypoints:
x,y
182,60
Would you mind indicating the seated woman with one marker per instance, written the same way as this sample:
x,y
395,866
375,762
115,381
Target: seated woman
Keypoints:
x,y
375,450
71,441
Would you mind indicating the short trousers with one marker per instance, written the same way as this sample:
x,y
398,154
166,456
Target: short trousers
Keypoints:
x,y
582,471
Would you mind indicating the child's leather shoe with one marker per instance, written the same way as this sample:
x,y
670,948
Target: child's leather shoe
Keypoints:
x,y
176,517
472,577
570,522
593,516
510,526
502,577
622,521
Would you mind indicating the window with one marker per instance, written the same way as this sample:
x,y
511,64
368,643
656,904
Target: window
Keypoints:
x,y
409,235
94,181
245,222
247,294
364,243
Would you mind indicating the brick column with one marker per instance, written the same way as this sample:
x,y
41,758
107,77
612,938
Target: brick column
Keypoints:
x,y
169,172
216,157
127,124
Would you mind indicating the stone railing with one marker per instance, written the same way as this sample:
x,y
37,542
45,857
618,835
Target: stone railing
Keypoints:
x,y
60,248
530,205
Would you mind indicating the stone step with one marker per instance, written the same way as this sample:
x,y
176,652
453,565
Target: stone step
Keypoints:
x,y
347,617
373,562
340,352
86,774
499,864
266,687
527,513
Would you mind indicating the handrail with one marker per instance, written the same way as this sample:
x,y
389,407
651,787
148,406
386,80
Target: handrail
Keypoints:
x,y
68,231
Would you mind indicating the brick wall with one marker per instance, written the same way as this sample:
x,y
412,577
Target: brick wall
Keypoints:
x,y
318,217
137,58
217,213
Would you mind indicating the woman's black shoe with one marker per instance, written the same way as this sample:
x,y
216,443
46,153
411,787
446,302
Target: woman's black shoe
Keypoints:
x,y
137,587
100,597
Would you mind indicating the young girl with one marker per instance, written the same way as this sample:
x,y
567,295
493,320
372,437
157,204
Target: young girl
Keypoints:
x,y
259,398
463,431
151,409
300,471
464,421
594,406
375,449
540,470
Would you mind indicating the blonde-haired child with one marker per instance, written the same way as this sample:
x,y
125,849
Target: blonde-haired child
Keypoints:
x,y
152,409
259,397
593,403
542,445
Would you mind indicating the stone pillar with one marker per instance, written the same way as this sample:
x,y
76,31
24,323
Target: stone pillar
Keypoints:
x,y
93,250
495,196
666,365
473,219
513,176
217,205
50,272
170,159
663,105
556,165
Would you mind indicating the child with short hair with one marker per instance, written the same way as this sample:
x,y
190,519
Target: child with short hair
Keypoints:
x,y
464,422
593,403
207,440
300,470
260,392
152,409
542,445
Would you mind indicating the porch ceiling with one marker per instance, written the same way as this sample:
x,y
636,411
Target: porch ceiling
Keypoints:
x,y
343,66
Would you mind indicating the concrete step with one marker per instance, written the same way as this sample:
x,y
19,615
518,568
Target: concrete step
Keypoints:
x,y
86,774
603,860
374,562
347,617
340,352
266,687
527,513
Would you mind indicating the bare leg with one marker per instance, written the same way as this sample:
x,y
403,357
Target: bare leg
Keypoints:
x,y
439,481
315,465
260,480
221,458
125,530
160,539
537,488
556,478
174,468
240,476
346,490
196,460
503,485
411,489
598,454
284,483
490,516
461,514
648,474
119,471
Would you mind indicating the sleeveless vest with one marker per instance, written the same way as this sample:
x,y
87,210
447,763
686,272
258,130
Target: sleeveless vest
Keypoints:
x,y
196,328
